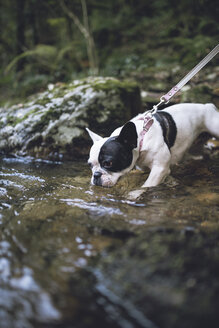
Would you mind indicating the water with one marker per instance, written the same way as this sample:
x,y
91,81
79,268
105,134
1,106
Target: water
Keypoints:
x,y
75,255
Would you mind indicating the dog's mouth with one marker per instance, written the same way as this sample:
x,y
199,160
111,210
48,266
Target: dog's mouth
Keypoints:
x,y
102,181
97,181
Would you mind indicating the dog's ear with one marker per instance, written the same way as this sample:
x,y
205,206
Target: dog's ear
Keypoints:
x,y
94,136
128,135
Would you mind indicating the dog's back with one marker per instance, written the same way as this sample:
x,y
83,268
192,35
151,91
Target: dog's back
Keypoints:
x,y
191,120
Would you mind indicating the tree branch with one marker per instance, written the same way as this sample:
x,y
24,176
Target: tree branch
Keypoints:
x,y
85,30
74,18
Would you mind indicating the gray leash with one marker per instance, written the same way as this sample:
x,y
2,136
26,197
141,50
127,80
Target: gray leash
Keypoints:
x,y
166,98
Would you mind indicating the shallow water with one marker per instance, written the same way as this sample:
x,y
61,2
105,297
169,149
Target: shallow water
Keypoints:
x,y
67,248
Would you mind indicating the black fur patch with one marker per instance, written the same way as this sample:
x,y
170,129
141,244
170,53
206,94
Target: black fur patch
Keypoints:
x,y
116,153
114,156
168,126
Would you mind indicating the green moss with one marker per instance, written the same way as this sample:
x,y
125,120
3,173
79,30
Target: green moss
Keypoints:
x,y
45,119
13,121
113,84
42,101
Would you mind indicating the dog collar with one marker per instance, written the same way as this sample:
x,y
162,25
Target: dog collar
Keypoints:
x,y
148,121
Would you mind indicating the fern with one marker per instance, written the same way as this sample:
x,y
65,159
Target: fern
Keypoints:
x,y
42,53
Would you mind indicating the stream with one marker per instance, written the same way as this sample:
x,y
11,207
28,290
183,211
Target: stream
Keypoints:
x,y
76,255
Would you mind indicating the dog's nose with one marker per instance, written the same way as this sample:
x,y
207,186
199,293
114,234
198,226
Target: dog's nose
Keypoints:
x,y
97,174
97,178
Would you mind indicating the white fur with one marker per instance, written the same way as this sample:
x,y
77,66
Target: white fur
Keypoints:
x,y
190,119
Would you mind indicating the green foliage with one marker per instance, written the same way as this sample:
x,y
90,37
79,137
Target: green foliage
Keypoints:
x,y
192,50
44,54
130,36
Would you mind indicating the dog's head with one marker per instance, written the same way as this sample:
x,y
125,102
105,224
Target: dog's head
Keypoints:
x,y
112,157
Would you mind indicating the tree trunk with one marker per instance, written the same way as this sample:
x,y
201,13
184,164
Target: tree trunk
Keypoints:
x,y
20,33
84,29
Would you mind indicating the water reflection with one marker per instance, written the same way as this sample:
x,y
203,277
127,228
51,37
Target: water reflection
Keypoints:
x,y
22,298
55,228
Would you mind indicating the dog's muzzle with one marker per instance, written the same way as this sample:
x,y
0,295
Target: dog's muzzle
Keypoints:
x,y
97,178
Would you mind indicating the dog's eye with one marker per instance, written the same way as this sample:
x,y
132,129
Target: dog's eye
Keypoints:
x,y
107,164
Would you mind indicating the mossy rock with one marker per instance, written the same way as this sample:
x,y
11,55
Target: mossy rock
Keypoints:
x,y
52,124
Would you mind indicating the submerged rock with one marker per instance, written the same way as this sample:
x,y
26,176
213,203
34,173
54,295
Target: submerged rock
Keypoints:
x,y
52,124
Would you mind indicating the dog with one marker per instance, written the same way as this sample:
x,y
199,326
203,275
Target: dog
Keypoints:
x,y
155,141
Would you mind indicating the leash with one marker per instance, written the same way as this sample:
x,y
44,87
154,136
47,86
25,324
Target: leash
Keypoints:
x,y
148,117
166,98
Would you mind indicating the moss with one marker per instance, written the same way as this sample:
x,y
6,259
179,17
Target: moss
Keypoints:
x,y
113,84
101,103
45,119
42,101
13,121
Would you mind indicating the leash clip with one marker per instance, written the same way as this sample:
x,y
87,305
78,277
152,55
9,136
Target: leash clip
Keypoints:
x,y
155,107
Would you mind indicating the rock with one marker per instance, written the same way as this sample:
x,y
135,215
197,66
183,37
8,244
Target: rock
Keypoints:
x,y
208,197
211,148
52,124
212,144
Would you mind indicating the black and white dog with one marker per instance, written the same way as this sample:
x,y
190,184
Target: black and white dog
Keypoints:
x,y
168,135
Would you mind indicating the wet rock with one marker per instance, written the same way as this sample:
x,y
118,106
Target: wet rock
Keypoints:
x,y
210,198
52,124
211,148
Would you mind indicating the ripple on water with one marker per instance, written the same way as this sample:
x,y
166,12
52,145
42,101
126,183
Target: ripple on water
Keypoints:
x,y
8,183
22,176
22,298
93,207
3,191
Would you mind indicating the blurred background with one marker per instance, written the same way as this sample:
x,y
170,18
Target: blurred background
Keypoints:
x,y
151,42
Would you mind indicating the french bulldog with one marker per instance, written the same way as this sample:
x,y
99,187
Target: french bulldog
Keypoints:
x,y
156,141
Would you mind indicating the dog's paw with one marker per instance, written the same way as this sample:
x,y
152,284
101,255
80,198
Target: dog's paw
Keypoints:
x,y
135,194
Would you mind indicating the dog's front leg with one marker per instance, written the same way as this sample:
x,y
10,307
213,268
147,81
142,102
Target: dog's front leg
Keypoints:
x,y
157,175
